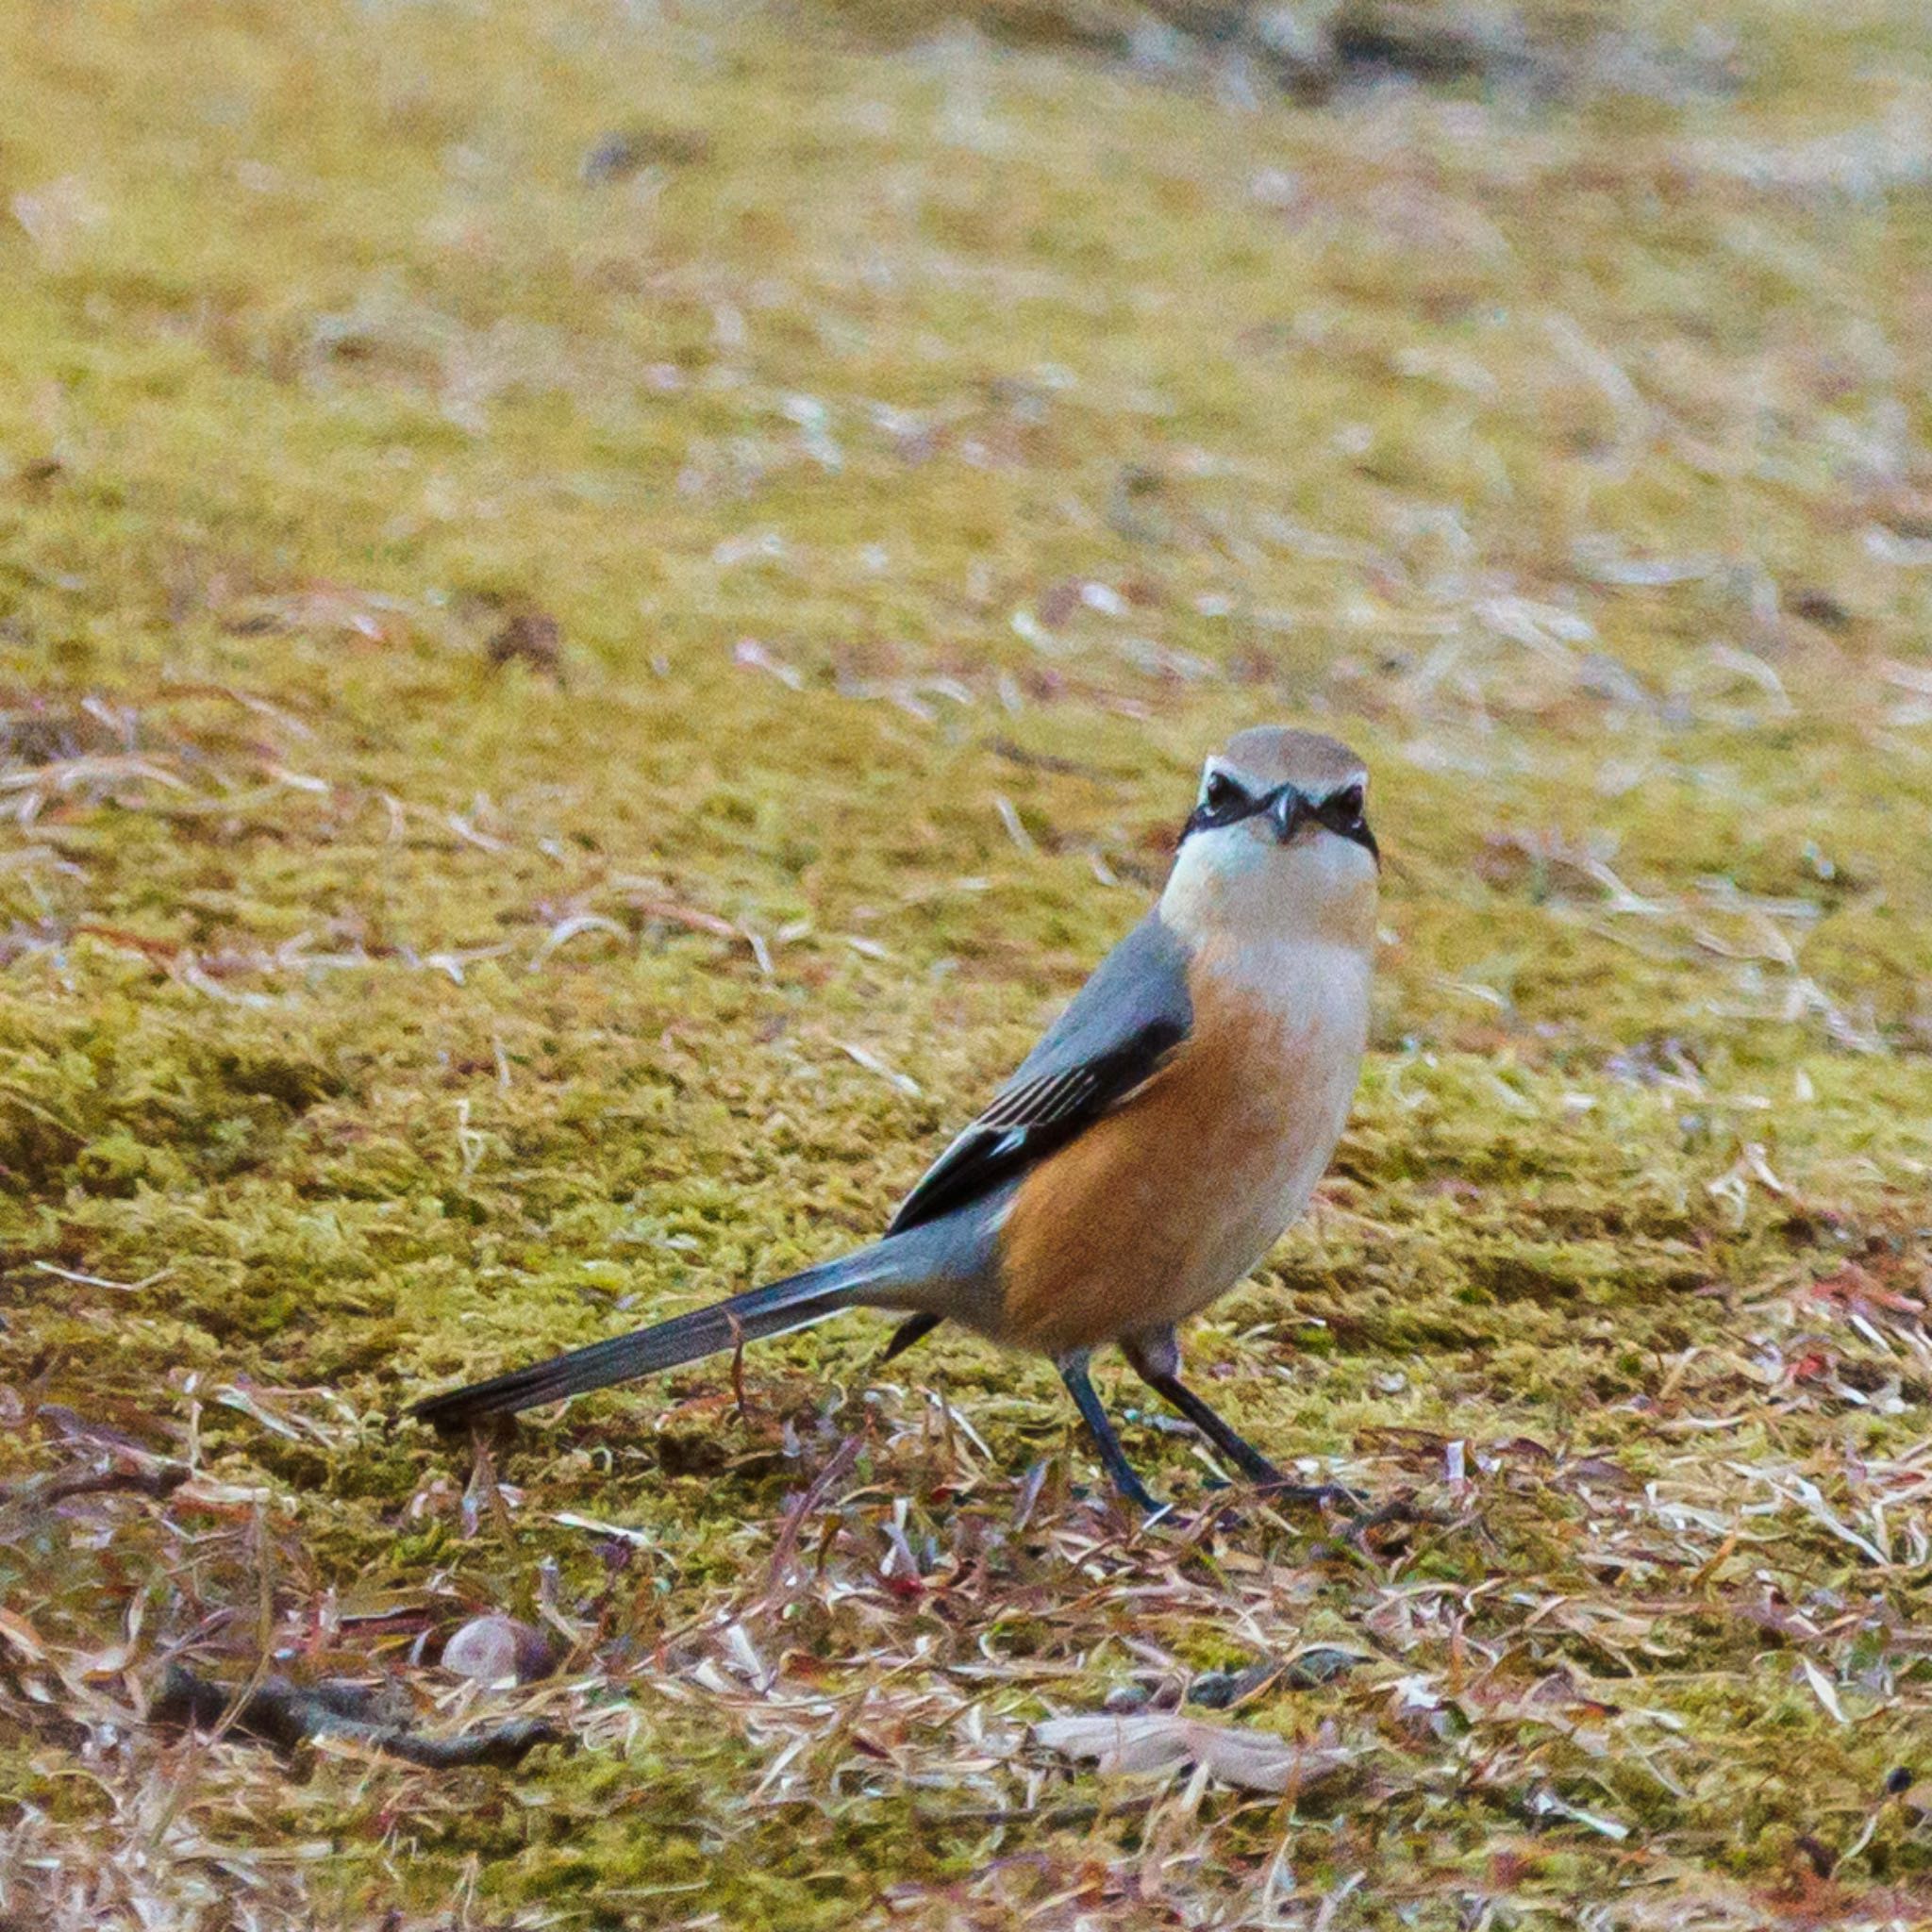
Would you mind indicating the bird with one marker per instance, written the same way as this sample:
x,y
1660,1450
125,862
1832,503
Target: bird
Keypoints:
x,y
1145,1155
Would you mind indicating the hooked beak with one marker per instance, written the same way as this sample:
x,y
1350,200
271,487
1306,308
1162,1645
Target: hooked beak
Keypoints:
x,y
1286,811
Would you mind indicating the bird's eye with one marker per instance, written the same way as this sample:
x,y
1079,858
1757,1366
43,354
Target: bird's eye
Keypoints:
x,y
1222,793
1344,807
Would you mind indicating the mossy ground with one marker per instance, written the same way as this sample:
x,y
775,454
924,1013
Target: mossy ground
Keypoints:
x,y
925,451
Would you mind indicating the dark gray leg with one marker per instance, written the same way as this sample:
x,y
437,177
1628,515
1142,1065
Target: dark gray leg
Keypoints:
x,y
1113,1459
1157,1360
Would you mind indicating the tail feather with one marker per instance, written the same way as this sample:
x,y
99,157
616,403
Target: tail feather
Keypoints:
x,y
776,1310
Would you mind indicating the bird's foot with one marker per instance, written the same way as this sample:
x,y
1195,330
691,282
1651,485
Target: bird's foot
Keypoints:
x,y
1336,1496
1398,1510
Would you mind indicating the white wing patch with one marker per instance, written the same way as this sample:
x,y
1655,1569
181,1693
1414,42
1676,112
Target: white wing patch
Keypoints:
x,y
1039,1103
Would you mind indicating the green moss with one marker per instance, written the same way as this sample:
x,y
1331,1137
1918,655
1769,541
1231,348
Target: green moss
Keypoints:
x,y
1561,450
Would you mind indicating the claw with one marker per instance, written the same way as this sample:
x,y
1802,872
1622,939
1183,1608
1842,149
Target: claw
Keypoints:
x,y
1335,1496
1399,1511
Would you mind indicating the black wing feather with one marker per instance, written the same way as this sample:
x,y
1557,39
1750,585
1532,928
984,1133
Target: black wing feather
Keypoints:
x,y
1030,1118
1114,1036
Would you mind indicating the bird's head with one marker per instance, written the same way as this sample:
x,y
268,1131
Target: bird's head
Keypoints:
x,y
1278,843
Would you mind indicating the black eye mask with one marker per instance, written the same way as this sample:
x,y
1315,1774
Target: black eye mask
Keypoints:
x,y
1227,803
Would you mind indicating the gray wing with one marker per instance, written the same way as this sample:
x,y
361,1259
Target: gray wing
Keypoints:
x,y
1119,1029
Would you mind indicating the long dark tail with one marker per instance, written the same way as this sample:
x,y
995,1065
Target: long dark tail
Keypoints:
x,y
797,1302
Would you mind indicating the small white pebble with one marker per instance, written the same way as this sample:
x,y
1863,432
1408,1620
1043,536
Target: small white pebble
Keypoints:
x,y
498,1650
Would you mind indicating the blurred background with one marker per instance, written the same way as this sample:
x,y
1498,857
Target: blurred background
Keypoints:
x,y
603,607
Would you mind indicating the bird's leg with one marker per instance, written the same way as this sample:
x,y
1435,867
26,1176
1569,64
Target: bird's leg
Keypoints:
x,y
1113,1459
1157,1360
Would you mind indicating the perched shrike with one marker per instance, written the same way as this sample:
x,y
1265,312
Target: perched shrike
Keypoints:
x,y
1148,1152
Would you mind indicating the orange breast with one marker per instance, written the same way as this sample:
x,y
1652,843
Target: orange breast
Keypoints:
x,y
1165,1204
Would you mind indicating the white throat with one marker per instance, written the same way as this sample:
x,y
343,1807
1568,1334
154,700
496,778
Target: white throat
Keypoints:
x,y
1236,889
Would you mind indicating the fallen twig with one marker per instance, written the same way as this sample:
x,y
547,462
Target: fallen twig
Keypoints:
x,y
289,1716
160,1482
